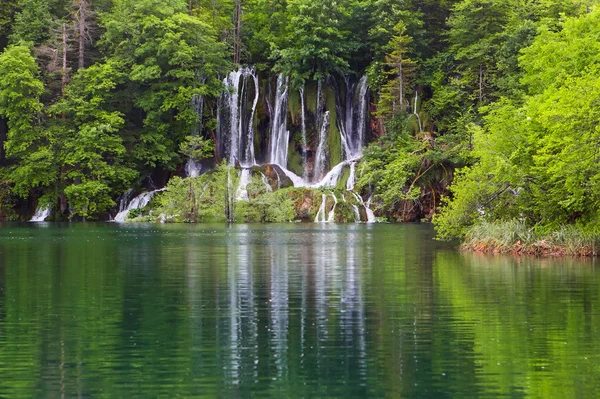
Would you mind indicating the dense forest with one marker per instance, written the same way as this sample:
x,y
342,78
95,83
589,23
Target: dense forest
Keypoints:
x,y
477,110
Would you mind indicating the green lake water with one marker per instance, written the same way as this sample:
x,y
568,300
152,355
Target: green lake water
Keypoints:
x,y
288,311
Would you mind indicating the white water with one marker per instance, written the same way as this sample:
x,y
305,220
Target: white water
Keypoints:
x,y
304,139
356,213
353,126
370,214
415,113
266,182
245,179
235,130
41,213
137,203
331,217
352,178
321,155
320,218
192,168
278,145
331,178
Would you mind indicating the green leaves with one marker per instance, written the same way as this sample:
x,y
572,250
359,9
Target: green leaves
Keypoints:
x,y
539,161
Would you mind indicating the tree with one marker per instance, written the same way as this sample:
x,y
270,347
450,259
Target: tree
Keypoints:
x,y
316,46
32,164
171,57
394,93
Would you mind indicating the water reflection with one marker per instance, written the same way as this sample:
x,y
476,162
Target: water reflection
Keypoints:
x,y
287,311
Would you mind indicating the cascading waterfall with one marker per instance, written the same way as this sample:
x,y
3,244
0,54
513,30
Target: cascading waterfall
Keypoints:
x,y
352,120
192,168
320,218
356,213
352,178
138,202
41,213
266,182
235,125
415,113
278,146
370,214
304,140
331,217
368,211
321,156
245,179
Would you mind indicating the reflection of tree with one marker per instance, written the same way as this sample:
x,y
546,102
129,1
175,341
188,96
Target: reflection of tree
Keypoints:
x,y
526,320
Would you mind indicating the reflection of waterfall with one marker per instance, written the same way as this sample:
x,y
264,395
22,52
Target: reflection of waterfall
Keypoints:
x,y
279,307
242,328
352,305
278,146
235,119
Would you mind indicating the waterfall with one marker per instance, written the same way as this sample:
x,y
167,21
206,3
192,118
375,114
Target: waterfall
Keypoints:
x,y
353,119
245,179
331,179
331,217
370,214
415,113
235,126
266,182
304,140
321,156
356,213
192,168
352,178
320,218
138,202
41,213
278,146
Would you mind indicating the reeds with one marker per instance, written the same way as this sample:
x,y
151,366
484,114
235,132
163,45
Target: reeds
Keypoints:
x,y
516,237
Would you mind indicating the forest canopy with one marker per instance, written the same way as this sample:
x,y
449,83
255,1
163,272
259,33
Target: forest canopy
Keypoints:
x,y
483,110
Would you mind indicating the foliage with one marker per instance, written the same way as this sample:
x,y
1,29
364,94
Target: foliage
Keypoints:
x,y
538,161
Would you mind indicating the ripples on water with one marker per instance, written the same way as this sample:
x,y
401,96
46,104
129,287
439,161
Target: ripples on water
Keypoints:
x,y
287,311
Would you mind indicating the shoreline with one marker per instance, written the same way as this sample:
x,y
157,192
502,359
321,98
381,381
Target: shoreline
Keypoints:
x,y
516,238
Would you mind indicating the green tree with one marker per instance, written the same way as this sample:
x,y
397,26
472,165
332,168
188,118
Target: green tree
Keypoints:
x,y
172,56
32,163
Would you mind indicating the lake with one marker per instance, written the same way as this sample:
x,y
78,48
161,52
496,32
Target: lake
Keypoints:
x,y
294,310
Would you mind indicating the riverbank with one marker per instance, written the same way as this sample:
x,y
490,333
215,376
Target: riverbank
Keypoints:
x,y
517,238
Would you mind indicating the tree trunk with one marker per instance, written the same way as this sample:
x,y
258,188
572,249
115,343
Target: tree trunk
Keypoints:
x,y
65,73
480,83
82,28
237,32
401,83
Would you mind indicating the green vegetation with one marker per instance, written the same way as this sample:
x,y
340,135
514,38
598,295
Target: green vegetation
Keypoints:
x,y
484,110
536,155
214,197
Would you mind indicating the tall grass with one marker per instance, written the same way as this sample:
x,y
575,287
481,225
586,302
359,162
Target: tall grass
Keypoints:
x,y
518,238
